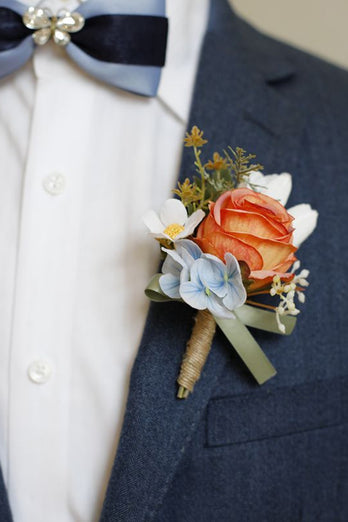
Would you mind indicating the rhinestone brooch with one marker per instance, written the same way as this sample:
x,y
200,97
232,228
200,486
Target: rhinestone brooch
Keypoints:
x,y
46,25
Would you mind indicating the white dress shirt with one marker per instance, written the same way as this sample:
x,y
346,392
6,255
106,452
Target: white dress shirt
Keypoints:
x,y
80,164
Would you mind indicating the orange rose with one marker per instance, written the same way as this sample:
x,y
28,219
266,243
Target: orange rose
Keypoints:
x,y
255,228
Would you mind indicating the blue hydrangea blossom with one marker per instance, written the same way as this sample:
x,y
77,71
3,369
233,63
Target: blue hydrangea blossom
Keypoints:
x,y
203,281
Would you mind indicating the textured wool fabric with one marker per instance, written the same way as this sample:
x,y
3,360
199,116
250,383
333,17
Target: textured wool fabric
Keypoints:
x,y
235,451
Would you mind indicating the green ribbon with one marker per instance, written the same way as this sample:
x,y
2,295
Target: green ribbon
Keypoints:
x,y
154,292
237,332
247,348
264,320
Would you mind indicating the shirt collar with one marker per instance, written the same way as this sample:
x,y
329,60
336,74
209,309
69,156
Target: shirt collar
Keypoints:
x,y
187,25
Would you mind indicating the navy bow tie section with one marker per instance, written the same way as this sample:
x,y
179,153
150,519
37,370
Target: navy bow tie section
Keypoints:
x,y
126,50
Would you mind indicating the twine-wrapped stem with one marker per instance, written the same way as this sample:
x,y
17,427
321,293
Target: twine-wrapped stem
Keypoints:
x,y
197,351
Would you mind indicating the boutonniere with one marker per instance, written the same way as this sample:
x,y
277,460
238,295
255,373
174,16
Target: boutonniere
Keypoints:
x,y
229,247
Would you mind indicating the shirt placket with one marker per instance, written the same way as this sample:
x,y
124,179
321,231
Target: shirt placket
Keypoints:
x,y
40,364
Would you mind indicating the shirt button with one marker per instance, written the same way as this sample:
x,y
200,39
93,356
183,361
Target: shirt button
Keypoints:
x,y
39,372
54,184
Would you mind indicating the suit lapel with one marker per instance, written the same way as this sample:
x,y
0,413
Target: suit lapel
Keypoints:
x,y
236,99
235,102
157,426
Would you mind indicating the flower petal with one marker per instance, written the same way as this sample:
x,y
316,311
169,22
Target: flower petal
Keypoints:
x,y
216,307
195,275
171,266
251,201
188,251
235,297
170,285
224,243
236,293
272,252
170,280
232,266
185,275
285,265
173,211
263,278
194,295
305,222
261,226
174,255
211,272
216,207
277,186
207,246
153,222
263,274
213,240
192,222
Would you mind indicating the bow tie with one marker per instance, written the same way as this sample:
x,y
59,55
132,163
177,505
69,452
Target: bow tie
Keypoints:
x,y
120,42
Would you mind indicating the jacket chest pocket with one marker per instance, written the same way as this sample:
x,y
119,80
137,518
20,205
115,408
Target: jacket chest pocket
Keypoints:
x,y
280,454
275,413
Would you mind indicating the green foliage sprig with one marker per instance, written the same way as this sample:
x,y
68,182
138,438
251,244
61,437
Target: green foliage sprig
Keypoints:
x,y
226,172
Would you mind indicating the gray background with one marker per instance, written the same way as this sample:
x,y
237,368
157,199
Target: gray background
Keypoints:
x,y
318,26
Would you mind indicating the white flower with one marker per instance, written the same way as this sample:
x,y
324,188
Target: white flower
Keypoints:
x,y
172,223
286,293
286,306
300,281
278,186
304,223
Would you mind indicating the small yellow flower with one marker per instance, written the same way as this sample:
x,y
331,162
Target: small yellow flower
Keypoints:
x,y
195,138
218,163
188,192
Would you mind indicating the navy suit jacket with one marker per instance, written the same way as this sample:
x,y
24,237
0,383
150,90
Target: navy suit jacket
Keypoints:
x,y
235,451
